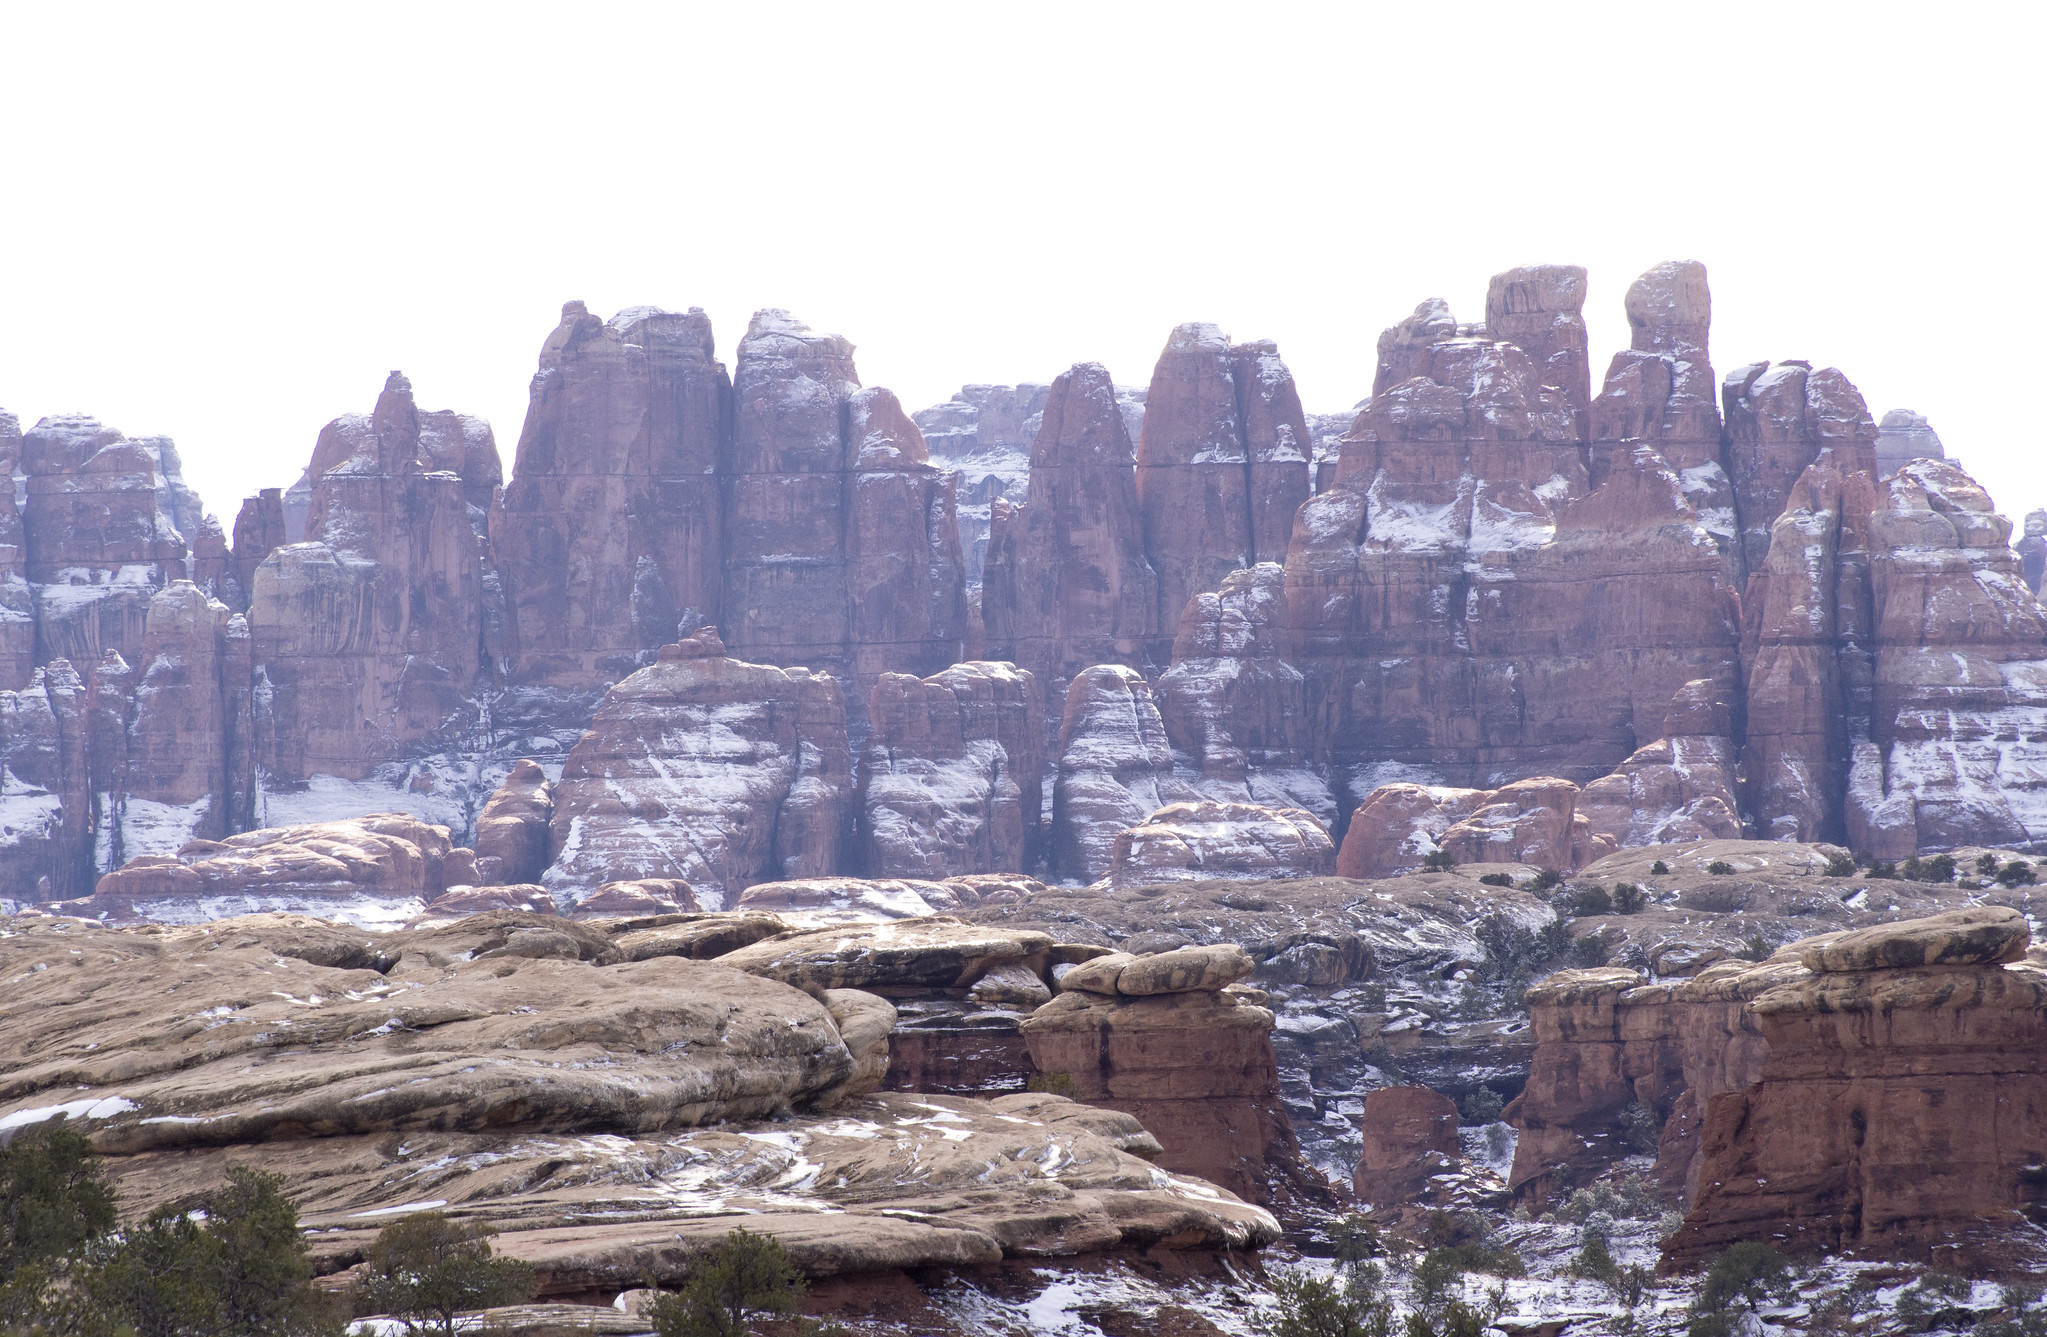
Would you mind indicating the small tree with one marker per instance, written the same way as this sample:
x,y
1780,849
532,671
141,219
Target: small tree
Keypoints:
x,y
427,1269
742,1278
1719,868
1628,899
1840,865
1659,869
1439,861
1742,1275
52,1197
1312,1306
1496,880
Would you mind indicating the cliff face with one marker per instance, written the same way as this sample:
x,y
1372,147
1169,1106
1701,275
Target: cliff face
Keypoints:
x,y
1688,610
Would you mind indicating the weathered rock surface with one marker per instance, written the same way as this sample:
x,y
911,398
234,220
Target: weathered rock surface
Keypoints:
x,y
1903,436
512,829
709,769
1532,821
1067,582
1222,464
1896,1114
953,774
935,952
1115,769
1681,787
1206,839
1410,1134
368,633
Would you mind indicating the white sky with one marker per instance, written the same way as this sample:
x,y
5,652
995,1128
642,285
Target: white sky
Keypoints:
x,y
227,224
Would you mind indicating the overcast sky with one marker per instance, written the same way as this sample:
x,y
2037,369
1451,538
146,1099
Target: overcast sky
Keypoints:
x,y
227,225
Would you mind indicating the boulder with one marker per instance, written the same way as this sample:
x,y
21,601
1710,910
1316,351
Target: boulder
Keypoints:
x,y
638,898
1186,970
1206,839
1532,821
1681,787
937,952
1903,436
707,769
1990,936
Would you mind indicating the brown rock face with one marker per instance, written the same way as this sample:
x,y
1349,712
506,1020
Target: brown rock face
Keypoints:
x,y
369,632
1469,602
1222,464
610,534
1780,416
1115,769
842,548
1067,583
1208,839
1196,1068
1806,652
259,531
952,781
1533,821
1541,308
45,740
95,543
512,829
17,600
1959,667
709,769
1410,1134
1898,1112
1680,787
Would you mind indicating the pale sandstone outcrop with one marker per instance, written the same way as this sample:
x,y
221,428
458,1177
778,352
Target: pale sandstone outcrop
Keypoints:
x,y
1115,769
952,778
1903,436
1680,787
1207,839
933,952
709,769
1532,821
1410,1134
512,829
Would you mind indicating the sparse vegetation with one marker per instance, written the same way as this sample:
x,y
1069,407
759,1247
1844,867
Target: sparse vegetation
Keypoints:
x,y
1882,872
1740,1278
1496,880
1439,861
1481,1107
1050,1084
1719,868
1986,865
743,1279
1659,869
1591,899
1939,869
2017,873
1545,879
1629,899
429,1268
1312,1306
1840,865
1755,947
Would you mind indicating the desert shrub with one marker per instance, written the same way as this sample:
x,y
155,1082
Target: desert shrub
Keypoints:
x,y
1438,861
1986,865
1882,871
1594,1259
427,1268
238,1267
1939,869
1637,1198
1496,880
2017,873
1720,868
1594,949
1051,1084
1755,947
1740,1277
1629,899
1545,879
1481,1106
1660,868
1353,1238
1312,1306
1591,899
1840,865
743,1279
52,1197
1640,1127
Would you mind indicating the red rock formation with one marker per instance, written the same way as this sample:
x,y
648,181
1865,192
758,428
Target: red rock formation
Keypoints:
x,y
1467,605
368,634
1779,418
1541,308
17,600
841,545
47,850
1207,839
1959,673
174,782
259,531
1806,654
708,769
1532,821
1115,769
952,778
1067,583
1680,787
1410,1134
96,544
512,829
1222,464
1192,1062
1898,1113
610,533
